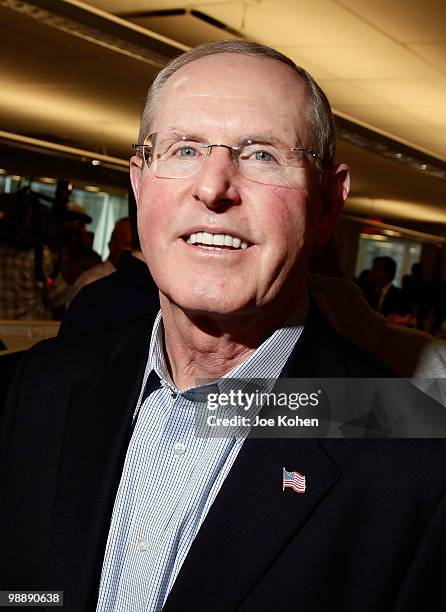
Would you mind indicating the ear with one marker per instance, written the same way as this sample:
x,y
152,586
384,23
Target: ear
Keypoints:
x,y
334,191
136,168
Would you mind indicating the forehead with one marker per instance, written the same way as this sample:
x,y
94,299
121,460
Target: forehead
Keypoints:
x,y
230,91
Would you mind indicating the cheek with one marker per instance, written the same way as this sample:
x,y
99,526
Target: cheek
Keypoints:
x,y
286,223
154,212
148,231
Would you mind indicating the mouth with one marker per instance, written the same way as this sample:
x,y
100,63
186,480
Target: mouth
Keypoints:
x,y
214,242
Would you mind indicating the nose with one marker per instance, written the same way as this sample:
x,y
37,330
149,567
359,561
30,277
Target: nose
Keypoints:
x,y
216,183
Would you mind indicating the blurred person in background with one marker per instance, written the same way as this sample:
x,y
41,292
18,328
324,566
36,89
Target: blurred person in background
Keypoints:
x,y
74,242
25,295
363,282
31,284
125,295
408,352
385,297
420,293
120,241
413,285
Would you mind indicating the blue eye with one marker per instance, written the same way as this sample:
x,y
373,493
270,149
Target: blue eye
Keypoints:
x,y
263,156
187,152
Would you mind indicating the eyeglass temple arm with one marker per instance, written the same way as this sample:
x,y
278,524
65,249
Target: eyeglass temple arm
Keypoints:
x,y
310,151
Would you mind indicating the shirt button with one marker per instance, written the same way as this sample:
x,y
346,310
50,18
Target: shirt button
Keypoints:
x,y
179,448
143,544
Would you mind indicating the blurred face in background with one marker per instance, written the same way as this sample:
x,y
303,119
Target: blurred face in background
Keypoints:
x,y
267,230
121,240
380,275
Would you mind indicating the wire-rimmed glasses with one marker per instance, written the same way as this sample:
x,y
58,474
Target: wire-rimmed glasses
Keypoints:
x,y
263,160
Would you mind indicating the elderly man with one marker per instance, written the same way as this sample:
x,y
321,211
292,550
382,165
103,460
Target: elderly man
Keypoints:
x,y
108,494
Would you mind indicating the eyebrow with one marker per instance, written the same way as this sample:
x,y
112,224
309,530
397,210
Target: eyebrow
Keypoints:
x,y
187,135
262,139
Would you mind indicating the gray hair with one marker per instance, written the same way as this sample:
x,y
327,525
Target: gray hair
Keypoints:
x,y
320,118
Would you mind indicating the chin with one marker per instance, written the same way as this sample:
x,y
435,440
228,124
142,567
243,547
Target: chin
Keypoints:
x,y
207,304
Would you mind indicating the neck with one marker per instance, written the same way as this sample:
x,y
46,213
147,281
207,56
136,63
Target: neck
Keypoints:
x,y
203,347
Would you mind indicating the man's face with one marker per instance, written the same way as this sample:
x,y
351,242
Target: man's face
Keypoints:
x,y
380,276
224,98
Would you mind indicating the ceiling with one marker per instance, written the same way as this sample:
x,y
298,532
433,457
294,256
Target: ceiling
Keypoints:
x,y
382,65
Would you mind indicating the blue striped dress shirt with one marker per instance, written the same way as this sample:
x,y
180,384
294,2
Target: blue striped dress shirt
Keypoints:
x,y
170,478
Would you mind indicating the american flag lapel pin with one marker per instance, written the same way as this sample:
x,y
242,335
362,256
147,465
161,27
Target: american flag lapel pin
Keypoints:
x,y
293,480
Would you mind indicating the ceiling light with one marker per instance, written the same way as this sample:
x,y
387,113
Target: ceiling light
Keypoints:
x,y
373,237
95,162
388,232
121,164
389,148
405,231
101,28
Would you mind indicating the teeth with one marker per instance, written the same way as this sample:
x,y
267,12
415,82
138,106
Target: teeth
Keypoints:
x,y
219,239
216,240
207,238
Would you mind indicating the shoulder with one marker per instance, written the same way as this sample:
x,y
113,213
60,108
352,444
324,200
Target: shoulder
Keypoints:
x,y
62,359
322,351
395,293
395,290
107,302
409,471
98,271
412,352
49,372
90,290
42,388
91,275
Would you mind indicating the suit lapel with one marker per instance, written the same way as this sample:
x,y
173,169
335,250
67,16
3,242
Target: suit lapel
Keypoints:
x,y
253,519
250,523
95,442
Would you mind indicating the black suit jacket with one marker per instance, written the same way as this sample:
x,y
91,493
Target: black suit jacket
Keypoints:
x,y
125,295
395,301
367,536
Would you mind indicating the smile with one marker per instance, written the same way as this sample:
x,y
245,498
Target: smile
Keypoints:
x,y
216,241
